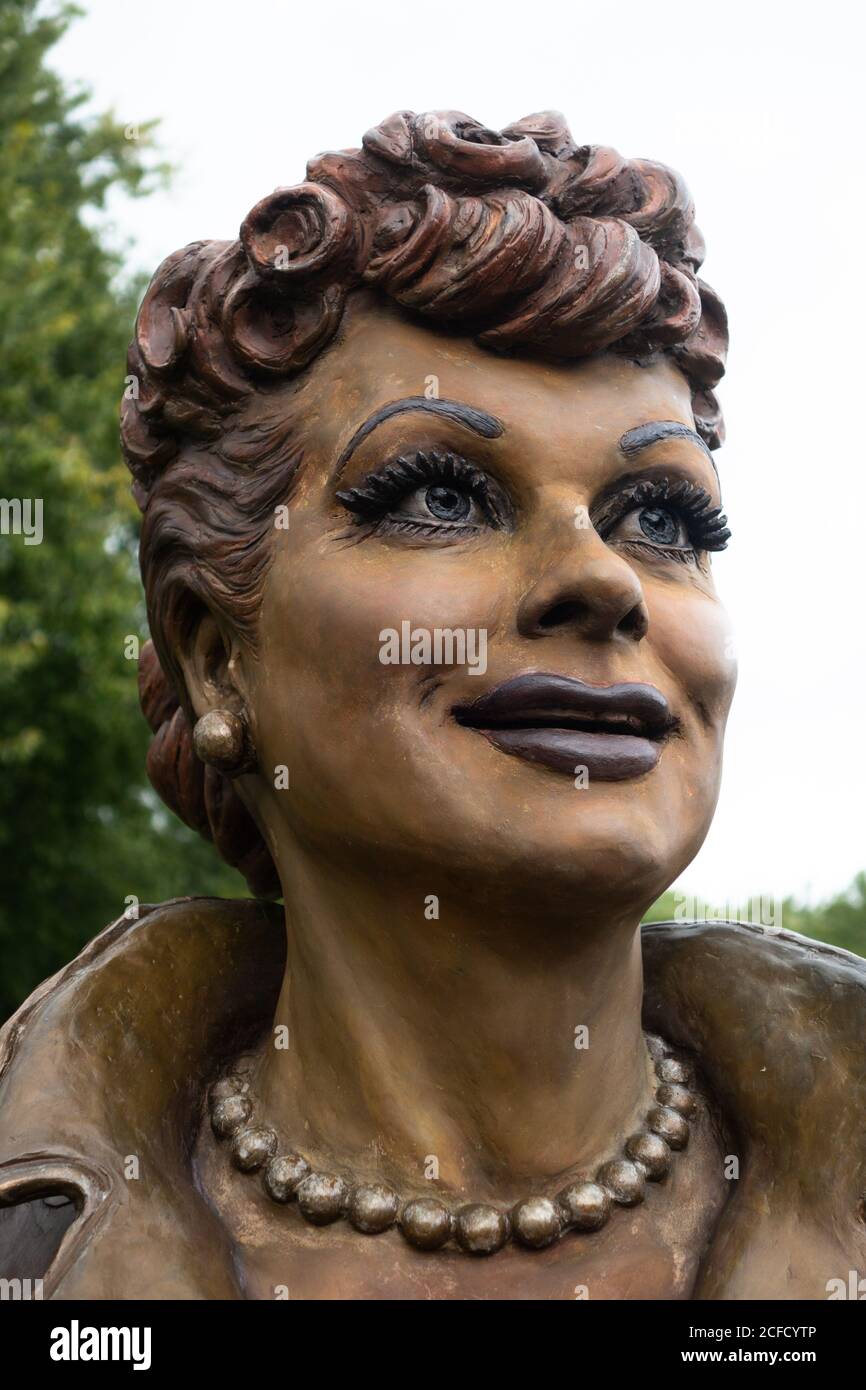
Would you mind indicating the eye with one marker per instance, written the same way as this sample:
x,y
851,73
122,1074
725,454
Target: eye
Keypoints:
x,y
439,502
431,492
677,519
657,525
661,526
447,503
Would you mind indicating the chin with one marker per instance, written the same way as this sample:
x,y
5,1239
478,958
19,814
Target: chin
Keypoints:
x,y
609,855
619,863
502,828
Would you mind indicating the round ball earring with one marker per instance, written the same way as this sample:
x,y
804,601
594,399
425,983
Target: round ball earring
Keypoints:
x,y
221,739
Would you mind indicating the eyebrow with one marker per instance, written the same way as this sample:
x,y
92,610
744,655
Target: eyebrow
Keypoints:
x,y
487,426
642,436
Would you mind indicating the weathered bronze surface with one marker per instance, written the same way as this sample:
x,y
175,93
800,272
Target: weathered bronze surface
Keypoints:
x,y
779,1049
428,492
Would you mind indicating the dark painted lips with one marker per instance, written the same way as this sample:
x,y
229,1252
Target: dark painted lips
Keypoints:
x,y
615,732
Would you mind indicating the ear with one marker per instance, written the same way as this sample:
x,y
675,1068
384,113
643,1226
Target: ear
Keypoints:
x,y
211,663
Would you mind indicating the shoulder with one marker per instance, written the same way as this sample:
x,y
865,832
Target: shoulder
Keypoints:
x,y
749,991
101,1073
776,1023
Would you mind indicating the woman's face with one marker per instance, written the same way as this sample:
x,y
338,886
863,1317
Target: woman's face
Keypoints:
x,y
519,507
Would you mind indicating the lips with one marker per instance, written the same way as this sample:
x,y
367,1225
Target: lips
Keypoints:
x,y
615,732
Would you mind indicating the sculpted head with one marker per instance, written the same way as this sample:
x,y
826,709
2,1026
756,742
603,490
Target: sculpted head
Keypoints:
x,y
459,382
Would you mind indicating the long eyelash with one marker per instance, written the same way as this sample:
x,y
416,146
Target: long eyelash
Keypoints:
x,y
707,525
390,484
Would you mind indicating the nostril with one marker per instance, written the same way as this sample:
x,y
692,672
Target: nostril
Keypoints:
x,y
572,613
636,622
562,613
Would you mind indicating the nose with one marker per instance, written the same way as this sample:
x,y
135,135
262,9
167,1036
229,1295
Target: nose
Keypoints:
x,y
589,589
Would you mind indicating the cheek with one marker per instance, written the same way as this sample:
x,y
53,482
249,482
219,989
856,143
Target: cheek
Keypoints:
x,y
691,634
323,615
351,728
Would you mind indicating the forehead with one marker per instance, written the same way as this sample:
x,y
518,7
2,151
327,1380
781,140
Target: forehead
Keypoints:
x,y
382,355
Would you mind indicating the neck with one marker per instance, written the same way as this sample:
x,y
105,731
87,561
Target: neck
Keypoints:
x,y
497,1047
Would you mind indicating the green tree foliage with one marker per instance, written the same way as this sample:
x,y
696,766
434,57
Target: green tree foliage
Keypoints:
x,y
841,921
80,830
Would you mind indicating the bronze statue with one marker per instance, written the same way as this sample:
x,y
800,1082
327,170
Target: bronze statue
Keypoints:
x,y
425,463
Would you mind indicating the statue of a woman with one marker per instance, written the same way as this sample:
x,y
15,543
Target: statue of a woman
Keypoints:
x,y
425,463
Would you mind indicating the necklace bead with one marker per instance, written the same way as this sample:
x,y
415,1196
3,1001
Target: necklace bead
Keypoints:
x,y
322,1198
481,1229
677,1098
586,1206
373,1208
669,1069
426,1223
253,1147
536,1222
670,1125
651,1152
231,1085
624,1180
283,1175
230,1114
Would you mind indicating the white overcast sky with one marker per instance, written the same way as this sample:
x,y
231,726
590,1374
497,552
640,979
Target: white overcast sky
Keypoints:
x,y
760,107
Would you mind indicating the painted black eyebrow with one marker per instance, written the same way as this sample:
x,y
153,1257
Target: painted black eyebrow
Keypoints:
x,y
642,436
477,420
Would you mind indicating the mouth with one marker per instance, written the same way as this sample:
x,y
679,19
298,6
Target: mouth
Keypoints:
x,y
606,733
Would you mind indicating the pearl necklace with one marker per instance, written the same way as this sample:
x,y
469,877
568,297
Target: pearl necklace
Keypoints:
x,y
478,1228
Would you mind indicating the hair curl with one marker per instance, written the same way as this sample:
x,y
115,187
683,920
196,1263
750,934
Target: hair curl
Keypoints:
x,y
529,242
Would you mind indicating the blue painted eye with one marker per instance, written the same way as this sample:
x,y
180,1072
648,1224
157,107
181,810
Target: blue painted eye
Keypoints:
x,y
447,503
659,525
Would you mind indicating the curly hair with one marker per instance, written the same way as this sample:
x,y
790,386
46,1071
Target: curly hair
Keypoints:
x,y
528,241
